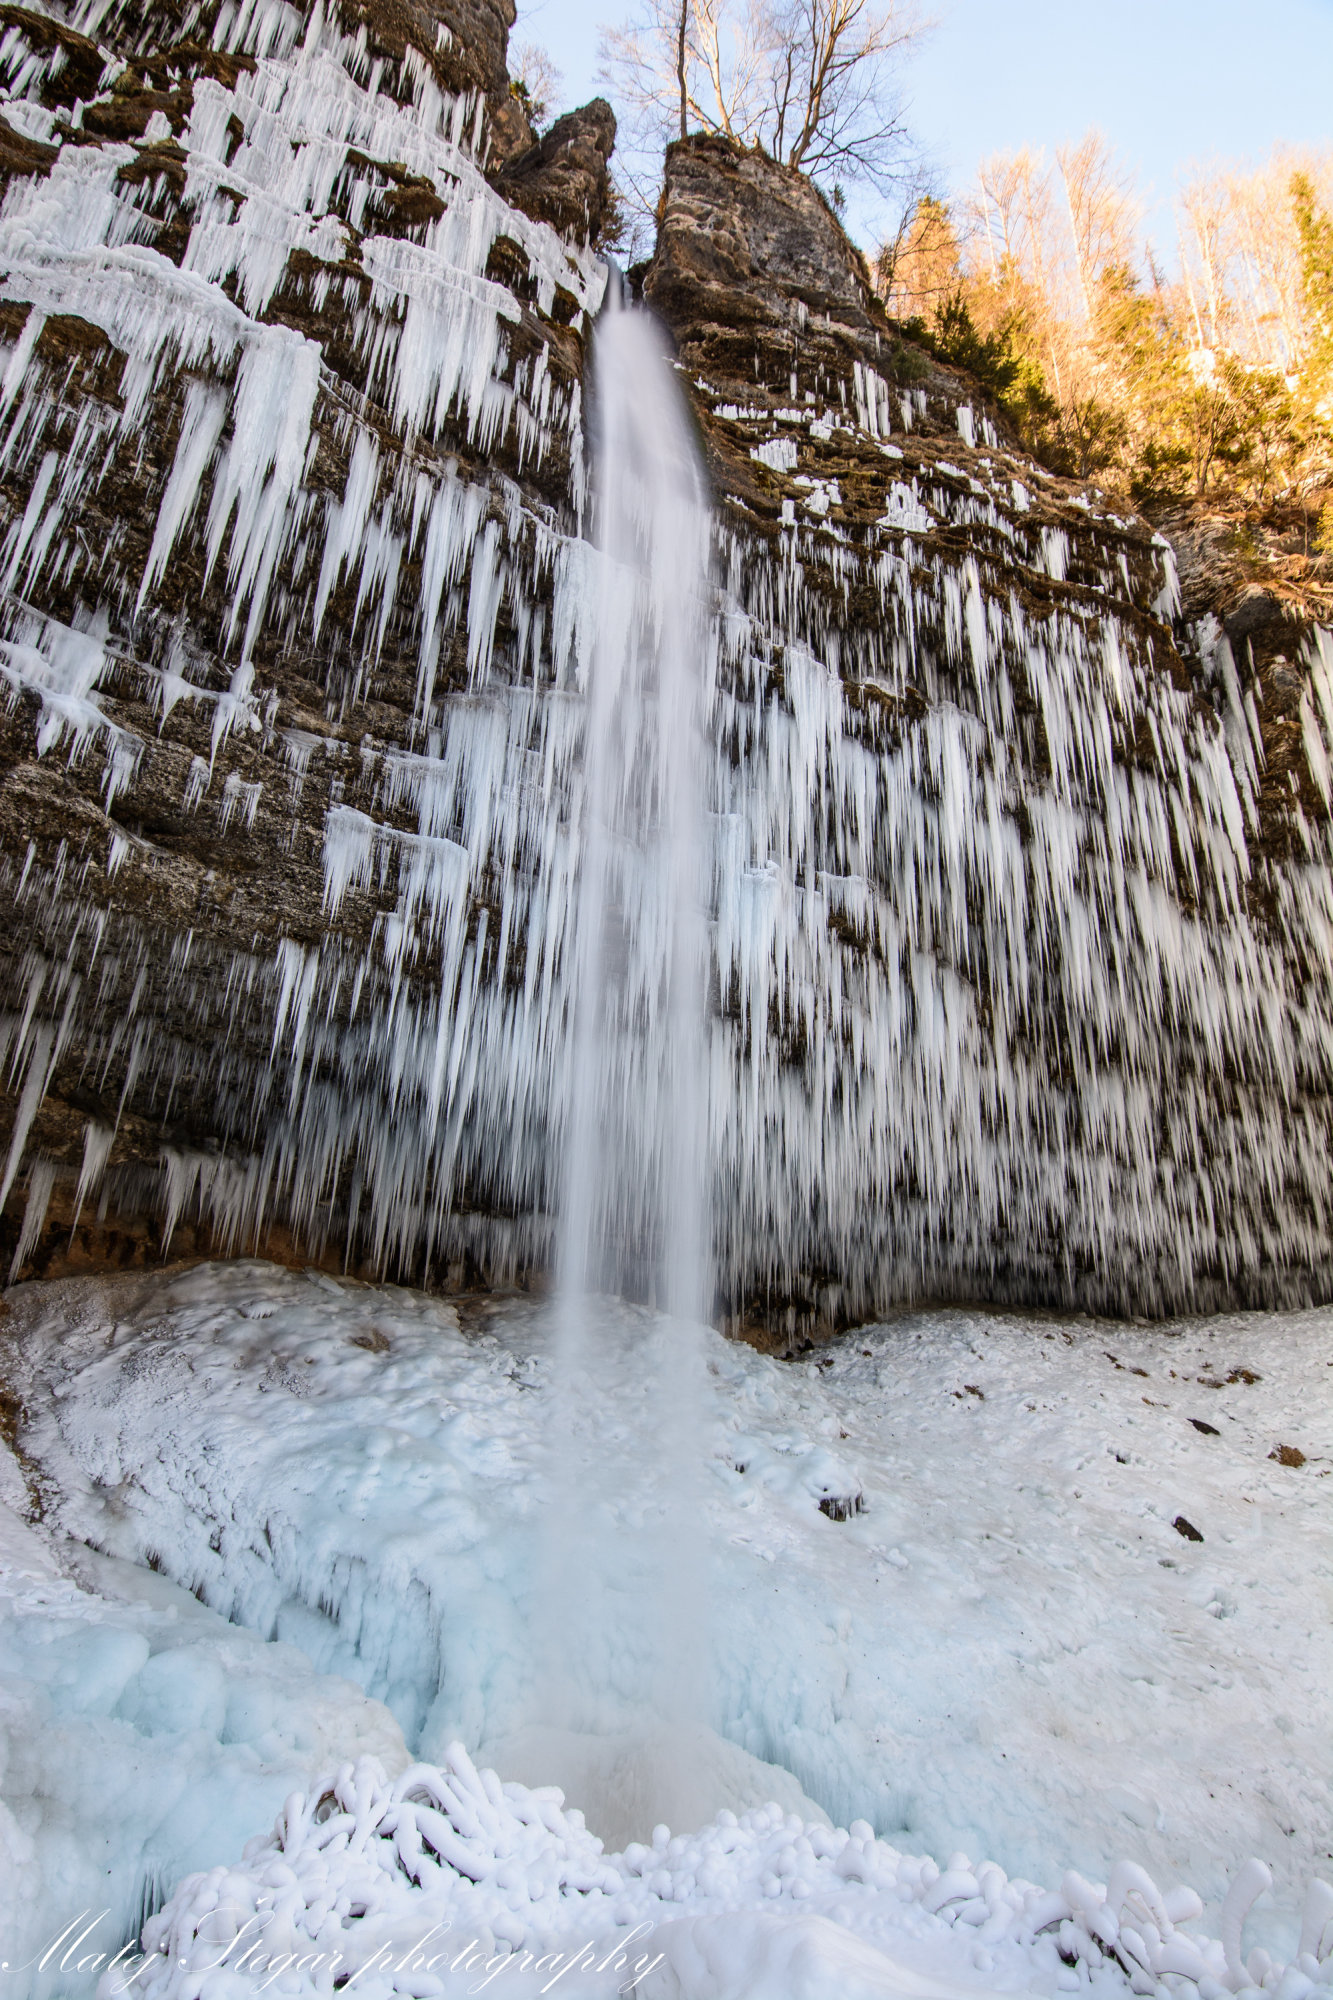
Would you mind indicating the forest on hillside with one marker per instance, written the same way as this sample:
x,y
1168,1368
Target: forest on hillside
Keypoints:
x,y
1210,386
1191,377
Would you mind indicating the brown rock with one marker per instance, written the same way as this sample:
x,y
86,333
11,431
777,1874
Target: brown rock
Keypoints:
x,y
22,156
752,264
563,179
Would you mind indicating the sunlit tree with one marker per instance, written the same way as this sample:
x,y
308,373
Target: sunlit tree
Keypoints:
x,y
1218,383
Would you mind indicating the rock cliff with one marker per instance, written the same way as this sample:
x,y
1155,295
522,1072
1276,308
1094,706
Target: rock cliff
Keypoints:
x,y
1021,910
1055,865
293,439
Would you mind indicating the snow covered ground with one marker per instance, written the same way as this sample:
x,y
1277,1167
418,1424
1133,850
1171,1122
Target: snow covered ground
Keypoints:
x,y
1006,1649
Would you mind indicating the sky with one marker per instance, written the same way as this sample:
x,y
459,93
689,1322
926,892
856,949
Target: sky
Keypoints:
x,y
1170,82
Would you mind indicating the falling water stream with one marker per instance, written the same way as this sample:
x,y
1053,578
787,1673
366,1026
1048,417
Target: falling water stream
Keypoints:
x,y
621,1604
633,1197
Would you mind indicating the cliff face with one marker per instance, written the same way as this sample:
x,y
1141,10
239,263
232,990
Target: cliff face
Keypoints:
x,y
1018,945
1030,859
292,450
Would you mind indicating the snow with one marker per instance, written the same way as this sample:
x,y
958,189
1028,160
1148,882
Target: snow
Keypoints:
x,y
944,1583
421,1885
140,1735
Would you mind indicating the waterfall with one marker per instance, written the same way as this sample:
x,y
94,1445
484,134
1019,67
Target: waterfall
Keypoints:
x,y
622,1627
632,1200
1013,911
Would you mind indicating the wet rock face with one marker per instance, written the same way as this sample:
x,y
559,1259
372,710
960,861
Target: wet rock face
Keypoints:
x,y
294,408
973,608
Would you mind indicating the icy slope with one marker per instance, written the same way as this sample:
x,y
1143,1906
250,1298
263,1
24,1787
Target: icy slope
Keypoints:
x,y
139,1734
1009,1650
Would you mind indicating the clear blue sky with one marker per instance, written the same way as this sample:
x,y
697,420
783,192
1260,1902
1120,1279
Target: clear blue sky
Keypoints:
x,y
1168,81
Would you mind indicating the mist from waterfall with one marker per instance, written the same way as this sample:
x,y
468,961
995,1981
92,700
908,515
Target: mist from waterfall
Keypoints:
x,y
622,1612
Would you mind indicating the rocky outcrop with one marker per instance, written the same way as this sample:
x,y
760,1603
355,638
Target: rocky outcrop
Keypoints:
x,y
563,179
748,249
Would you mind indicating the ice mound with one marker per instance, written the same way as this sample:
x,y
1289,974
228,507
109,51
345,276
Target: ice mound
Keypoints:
x,y
633,1781
140,1736
443,1880
778,1958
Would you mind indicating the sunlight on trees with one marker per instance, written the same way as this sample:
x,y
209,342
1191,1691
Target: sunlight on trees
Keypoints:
x,y
1220,382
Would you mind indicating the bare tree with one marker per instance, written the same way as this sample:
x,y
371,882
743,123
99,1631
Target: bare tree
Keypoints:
x,y
1013,211
1017,236
1103,213
535,81
812,82
835,108
1241,258
1201,220
683,63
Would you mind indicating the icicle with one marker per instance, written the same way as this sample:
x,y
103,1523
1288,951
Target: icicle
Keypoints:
x,y
993,935
97,1143
39,1066
201,426
41,1180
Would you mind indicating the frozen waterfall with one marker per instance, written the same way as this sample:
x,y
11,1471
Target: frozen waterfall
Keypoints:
x,y
1014,921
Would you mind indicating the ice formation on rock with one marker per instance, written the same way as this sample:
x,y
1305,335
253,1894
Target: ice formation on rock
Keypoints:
x,y
1015,942
140,1734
